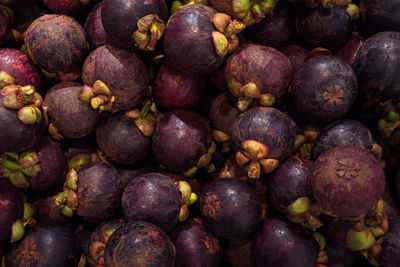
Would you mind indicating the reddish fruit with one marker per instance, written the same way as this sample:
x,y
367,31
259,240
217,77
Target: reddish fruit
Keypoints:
x,y
378,16
67,7
94,28
296,54
349,51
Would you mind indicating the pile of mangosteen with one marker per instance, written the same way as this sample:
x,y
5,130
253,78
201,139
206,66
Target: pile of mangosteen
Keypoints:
x,y
241,133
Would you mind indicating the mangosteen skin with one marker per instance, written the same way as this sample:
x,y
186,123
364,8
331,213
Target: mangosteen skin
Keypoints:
x,y
47,245
122,71
67,7
52,163
180,139
121,141
73,118
20,67
379,16
290,181
268,126
174,89
151,246
154,198
390,255
56,43
223,112
323,89
48,212
377,65
188,41
195,246
120,18
16,136
230,209
327,27
343,132
349,51
265,66
283,243
339,256
94,28
296,54
347,181
99,192
11,208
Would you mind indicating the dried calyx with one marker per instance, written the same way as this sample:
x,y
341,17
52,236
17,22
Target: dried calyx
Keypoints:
x,y
150,30
176,5
223,138
18,166
144,119
204,162
304,143
68,199
18,227
99,96
188,198
26,100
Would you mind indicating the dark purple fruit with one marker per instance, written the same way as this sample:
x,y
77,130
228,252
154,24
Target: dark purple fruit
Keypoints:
x,y
378,16
239,253
57,44
230,209
296,54
283,243
323,89
123,79
127,174
139,244
195,246
154,198
69,117
377,65
67,7
174,89
327,27
99,239
339,256
258,72
48,211
347,181
18,65
182,141
94,28
263,136
121,20
390,254
349,51
122,141
46,246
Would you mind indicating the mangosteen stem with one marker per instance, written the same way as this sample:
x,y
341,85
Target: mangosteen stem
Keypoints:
x,y
150,30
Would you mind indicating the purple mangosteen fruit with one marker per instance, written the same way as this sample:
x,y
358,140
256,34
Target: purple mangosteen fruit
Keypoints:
x,y
349,51
48,211
390,253
94,28
139,244
67,7
134,22
57,44
262,137
118,78
230,208
379,16
296,54
195,246
323,89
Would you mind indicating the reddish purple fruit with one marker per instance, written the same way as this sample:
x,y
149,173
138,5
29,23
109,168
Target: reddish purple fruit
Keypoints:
x,y
283,243
390,254
230,209
94,28
323,89
349,51
153,198
46,35
122,76
378,16
195,246
347,181
296,54
67,7
173,89
47,211
18,65
151,246
134,22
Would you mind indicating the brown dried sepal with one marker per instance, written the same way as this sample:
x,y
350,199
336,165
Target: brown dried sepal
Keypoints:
x,y
211,206
150,30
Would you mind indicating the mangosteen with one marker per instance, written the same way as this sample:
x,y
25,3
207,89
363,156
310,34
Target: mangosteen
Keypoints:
x,y
327,27
16,67
69,117
323,89
118,78
195,246
239,253
283,243
67,7
296,54
39,169
94,28
139,244
377,65
390,254
182,142
134,22
263,137
21,119
99,239
347,181
57,44
15,212
128,173
48,212
258,72
197,38
173,89
379,16
345,132
94,192
349,51
46,246
339,256
230,209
